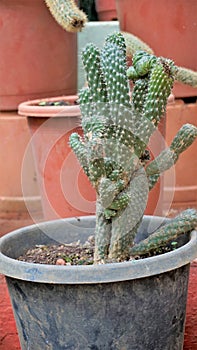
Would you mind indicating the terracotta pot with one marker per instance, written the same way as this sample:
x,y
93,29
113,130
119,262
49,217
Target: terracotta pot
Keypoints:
x,y
190,342
14,141
180,182
65,189
106,10
38,58
169,27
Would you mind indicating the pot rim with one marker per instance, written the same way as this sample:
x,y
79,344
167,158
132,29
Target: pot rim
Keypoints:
x,y
31,109
91,274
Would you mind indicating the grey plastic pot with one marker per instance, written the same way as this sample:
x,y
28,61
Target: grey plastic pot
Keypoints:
x,y
132,305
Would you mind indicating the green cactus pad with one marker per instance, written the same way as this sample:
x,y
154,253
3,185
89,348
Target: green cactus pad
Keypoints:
x,y
92,65
159,88
183,223
143,62
80,150
114,69
124,225
168,157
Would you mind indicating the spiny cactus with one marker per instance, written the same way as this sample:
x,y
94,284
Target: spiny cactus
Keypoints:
x,y
133,44
181,74
67,14
186,76
113,151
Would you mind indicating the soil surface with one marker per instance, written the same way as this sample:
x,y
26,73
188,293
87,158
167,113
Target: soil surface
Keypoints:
x,y
76,253
63,254
56,103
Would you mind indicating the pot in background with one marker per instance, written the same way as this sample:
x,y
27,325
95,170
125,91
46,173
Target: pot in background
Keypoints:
x,y
64,188
106,10
168,27
38,57
180,182
16,174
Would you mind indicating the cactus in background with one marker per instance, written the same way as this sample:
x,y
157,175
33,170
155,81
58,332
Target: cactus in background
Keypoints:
x,y
113,151
133,44
67,14
181,74
186,76
71,18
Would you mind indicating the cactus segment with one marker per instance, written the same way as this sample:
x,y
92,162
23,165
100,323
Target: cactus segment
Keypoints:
x,y
124,224
113,61
168,157
92,65
120,202
132,74
159,88
86,110
153,85
96,170
102,235
117,39
186,76
67,14
152,180
80,151
84,97
133,44
108,191
184,138
139,94
129,127
183,223
143,62
165,160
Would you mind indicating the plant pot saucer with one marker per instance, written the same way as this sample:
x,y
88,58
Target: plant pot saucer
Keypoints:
x,y
33,109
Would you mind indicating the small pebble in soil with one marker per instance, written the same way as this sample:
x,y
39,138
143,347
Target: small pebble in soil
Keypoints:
x,y
61,262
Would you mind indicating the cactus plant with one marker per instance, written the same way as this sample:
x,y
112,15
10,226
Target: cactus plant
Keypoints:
x,y
67,14
113,151
181,74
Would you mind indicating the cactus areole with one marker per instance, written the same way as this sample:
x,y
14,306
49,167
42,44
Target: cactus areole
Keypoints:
x,y
113,151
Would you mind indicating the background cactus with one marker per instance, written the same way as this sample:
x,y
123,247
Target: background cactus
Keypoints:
x,y
186,76
181,74
67,14
113,151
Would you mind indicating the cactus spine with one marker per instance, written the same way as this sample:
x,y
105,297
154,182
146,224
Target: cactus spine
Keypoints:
x,y
116,133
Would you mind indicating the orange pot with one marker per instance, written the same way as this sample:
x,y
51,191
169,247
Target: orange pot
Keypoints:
x,y
106,10
14,141
65,189
169,27
38,58
180,182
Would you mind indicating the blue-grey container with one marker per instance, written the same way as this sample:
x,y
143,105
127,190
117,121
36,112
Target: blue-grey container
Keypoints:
x,y
136,305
